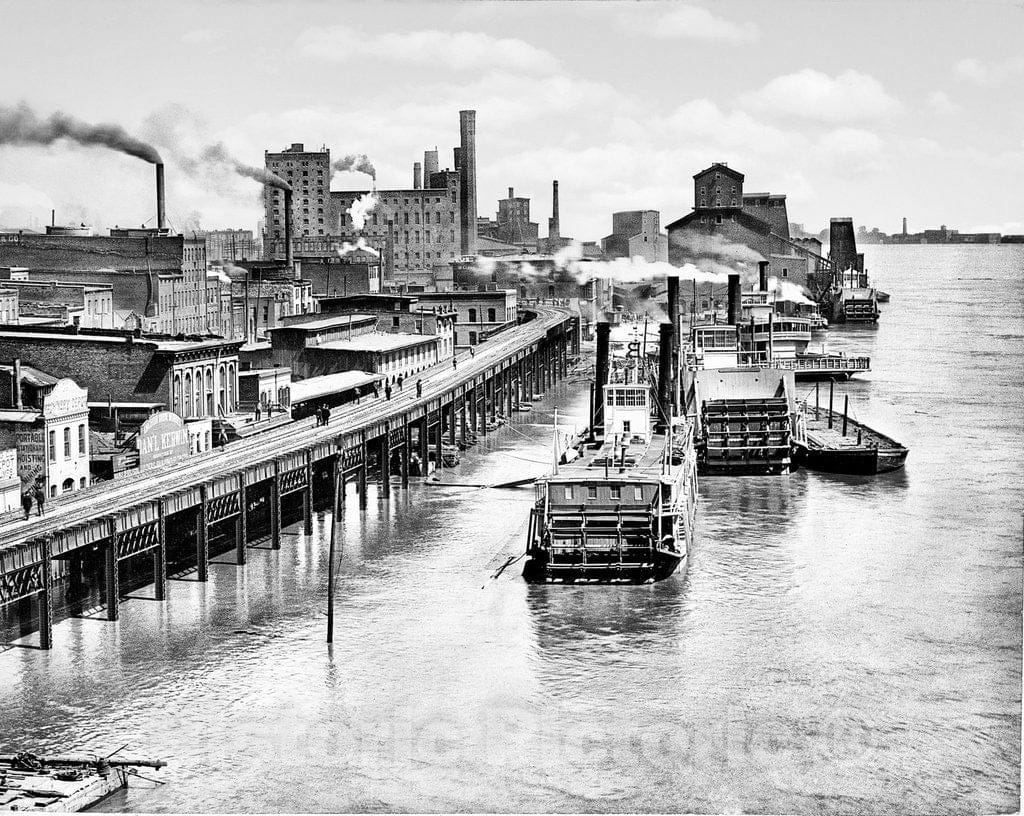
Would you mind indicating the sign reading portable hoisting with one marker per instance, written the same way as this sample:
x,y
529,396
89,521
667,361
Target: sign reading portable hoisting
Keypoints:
x,y
162,440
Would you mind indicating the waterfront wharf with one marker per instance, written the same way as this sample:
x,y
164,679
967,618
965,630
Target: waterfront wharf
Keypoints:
x,y
168,522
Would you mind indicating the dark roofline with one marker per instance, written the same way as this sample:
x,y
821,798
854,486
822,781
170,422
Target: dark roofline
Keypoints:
x,y
722,168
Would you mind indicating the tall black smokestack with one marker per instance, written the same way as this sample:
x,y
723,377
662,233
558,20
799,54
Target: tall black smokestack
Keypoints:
x,y
417,182
735,301
600,373
554,227
762,276
288,257
673,316
160,205
467,180
666,340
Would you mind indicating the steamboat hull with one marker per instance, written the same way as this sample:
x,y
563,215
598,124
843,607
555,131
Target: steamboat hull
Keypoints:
x,y
653,566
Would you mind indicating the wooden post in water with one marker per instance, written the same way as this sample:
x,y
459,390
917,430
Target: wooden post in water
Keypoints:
x,y
45,602
846,411
831,389
202,537
275,507
160,553
112,582
336,477
817,401
242,522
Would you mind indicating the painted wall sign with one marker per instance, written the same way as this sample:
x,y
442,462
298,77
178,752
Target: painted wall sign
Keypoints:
x,y
8,465
162,439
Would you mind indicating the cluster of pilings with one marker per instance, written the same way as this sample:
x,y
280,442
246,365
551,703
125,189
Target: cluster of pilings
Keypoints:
x,y
87,568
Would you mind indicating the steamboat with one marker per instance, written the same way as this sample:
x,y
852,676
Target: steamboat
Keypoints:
x,y
620,505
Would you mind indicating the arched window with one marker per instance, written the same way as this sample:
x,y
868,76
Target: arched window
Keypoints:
x,y
209,392
199,393
83,483
186,408
222,389
472,315
68,486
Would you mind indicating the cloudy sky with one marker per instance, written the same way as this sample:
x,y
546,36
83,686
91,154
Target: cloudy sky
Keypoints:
x,y
874,110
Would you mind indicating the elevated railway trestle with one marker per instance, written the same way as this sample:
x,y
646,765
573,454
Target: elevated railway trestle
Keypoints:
x,y
99,544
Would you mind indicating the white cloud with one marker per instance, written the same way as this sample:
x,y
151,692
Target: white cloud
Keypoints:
x,y
939,102
990,74
850,96
686,22
202,36
850,152
458,50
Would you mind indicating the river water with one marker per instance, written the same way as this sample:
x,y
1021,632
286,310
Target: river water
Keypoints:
x,y
840,645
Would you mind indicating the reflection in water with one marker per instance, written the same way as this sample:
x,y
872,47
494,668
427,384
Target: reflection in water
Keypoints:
x,y
839,645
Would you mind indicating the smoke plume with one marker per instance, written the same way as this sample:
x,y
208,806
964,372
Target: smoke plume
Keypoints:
x,y
360,209
713,254
789,291
357,163
217,155
360,244
631,270
20,125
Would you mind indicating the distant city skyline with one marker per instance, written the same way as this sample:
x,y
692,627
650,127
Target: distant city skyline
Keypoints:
x,y
871,110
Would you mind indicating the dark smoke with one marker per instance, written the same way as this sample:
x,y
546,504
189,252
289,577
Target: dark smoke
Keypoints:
x,y
218,154
357,163
21,125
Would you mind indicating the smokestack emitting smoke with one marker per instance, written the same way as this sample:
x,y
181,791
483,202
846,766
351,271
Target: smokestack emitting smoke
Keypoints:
x,y
360,209
22,126
356,163
788,291
712,253
467,180
160,205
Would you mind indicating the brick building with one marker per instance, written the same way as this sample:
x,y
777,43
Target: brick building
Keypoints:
x,y
309,174
161,278
513,221
46,419
400,314
479,315
636,233
231,245
9,308
90,306
758,221
194,379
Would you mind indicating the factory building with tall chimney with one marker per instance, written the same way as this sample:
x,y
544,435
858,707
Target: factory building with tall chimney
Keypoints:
x,y
555,240
309,174
758,221
511,225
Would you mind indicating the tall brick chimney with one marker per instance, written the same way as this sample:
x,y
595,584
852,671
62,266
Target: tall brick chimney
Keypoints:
x,y
160,202
288,256
554,229
467,180
417,177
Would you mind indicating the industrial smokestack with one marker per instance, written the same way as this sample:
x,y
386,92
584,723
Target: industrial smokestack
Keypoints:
x,y
511,193
673,316
762,276
430,165
458,158
554,228
389,258
904,225
160,201
17,383
842,244
666,340
467,180
735,302
600,373
289,260
417,178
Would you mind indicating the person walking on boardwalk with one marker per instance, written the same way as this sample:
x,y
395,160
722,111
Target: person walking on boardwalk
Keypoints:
x,y
399,382
257,411
26,503
40,498
376,390
359,394
319,416
455,363
327,414
387,390
419,388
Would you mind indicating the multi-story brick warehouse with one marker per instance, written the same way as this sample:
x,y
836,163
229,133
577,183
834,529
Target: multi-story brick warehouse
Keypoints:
x,y
309,174
195,379
161,278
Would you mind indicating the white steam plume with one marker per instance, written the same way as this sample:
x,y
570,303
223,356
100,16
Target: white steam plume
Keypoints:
x,y
631,270
361,208
789,291
710,252
360,244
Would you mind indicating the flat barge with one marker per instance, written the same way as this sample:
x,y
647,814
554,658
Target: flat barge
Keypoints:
x,y
835,443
